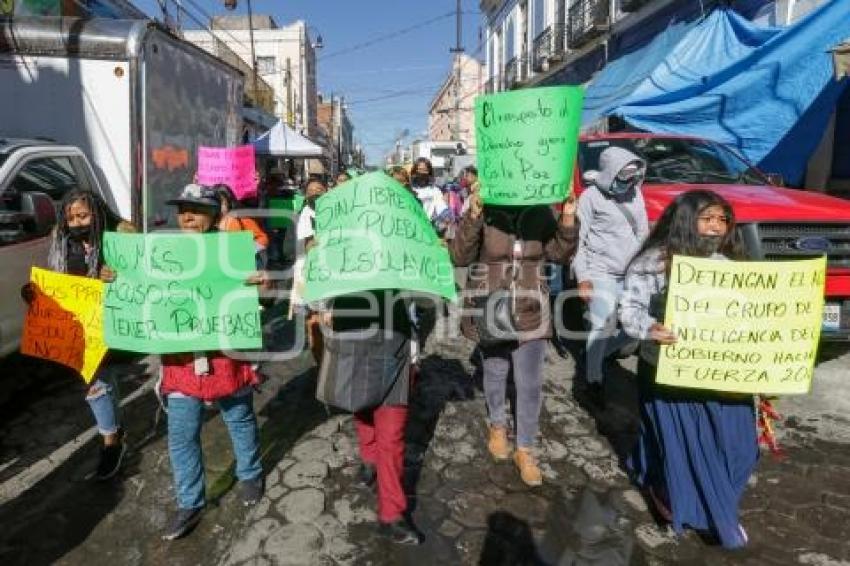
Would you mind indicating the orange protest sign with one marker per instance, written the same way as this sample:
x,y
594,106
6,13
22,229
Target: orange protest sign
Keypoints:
x,y
64,322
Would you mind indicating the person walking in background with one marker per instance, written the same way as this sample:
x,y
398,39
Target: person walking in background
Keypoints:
x,y
76,248
612,216
431,197
696,449
342,177
304,233
274,188
469,181
401,175
510,245
192,379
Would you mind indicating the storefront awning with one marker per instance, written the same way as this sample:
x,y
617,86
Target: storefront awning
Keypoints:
x,y
766,91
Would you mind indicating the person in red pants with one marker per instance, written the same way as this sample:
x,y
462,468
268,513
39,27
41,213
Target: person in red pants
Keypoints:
x,y
380,434
366,368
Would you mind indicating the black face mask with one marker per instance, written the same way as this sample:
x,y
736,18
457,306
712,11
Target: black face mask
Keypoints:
x,y
708,245
79,233
420,180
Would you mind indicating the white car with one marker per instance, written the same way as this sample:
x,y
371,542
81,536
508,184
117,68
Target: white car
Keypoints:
x,y
34,176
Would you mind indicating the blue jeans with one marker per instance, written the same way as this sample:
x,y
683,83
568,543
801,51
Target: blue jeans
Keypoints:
x,y
102,397
185,416
527,361
603,338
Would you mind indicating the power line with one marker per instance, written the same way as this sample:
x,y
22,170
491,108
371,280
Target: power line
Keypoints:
x,y
397,94
386,37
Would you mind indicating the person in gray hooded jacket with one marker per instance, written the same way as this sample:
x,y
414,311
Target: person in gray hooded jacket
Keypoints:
x,y
613,224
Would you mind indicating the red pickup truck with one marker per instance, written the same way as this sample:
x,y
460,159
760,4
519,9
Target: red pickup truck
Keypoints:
x,y
775,222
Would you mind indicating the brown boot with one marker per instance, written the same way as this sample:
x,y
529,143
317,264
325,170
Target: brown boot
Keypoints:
x,y
528,469
498,443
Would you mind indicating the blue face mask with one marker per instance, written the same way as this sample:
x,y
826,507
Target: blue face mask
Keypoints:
x,y
629,177
621,187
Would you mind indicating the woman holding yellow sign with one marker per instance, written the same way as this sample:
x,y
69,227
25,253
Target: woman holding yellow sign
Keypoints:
x,y
76,248
696,449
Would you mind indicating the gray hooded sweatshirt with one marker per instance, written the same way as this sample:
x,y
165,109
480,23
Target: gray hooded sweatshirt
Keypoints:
x,y
607,242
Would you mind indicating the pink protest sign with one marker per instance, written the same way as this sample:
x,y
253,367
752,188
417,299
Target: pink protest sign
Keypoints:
x,y
232,166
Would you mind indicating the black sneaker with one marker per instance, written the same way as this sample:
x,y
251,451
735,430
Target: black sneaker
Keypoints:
x,y
402,531
366,476
251,491
110,459
182,523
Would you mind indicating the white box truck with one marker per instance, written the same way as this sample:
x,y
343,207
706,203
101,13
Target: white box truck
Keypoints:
x,y
116,106
136,99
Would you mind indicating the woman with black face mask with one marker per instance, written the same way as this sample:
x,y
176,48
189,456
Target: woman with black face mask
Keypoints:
x,y
76,248
422,181
696,449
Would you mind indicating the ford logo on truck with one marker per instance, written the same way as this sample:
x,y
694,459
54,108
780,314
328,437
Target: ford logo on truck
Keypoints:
x,y
812,244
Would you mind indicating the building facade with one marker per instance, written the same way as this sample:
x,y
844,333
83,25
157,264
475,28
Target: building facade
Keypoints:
x,y
452,113
551,42
536,42
286,60
336,134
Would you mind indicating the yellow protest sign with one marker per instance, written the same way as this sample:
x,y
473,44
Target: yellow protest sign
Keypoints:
x,y
64,322
744,327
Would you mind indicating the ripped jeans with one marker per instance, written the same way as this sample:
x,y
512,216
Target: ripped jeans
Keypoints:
x,y
102,397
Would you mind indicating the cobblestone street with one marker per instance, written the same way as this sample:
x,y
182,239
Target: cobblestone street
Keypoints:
x,y
472,511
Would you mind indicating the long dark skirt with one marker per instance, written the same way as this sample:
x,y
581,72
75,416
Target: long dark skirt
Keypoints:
x,y
700,449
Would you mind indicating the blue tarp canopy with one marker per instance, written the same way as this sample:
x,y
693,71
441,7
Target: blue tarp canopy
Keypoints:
x,y
769,92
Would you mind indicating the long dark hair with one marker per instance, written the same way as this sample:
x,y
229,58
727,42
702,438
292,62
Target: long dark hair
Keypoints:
x,y
103,219
427,162
224,192
675,233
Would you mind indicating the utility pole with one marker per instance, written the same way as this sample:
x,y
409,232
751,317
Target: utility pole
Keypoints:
x,y
458,51
290,115
334,164
231,5
253,54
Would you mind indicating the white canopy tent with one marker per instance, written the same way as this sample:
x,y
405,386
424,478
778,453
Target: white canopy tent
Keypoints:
x,y
283,141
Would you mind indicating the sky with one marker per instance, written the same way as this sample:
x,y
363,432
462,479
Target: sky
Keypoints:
x,y
388,84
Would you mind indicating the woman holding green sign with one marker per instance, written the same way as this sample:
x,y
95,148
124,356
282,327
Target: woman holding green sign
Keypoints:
x,y
508,309
191,380
696,449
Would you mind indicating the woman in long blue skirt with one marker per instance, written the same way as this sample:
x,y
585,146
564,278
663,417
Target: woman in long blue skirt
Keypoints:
x,y
696,449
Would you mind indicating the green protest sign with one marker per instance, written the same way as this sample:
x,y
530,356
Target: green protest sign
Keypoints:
x,y
526,143
371,234
285,210
181,292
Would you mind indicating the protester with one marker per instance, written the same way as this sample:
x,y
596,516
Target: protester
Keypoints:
x,y
469,181
76,248
342,177
369,351
613,221
506,247
232,221
422,180
191,380
275,187
696,449
304,232
401,175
